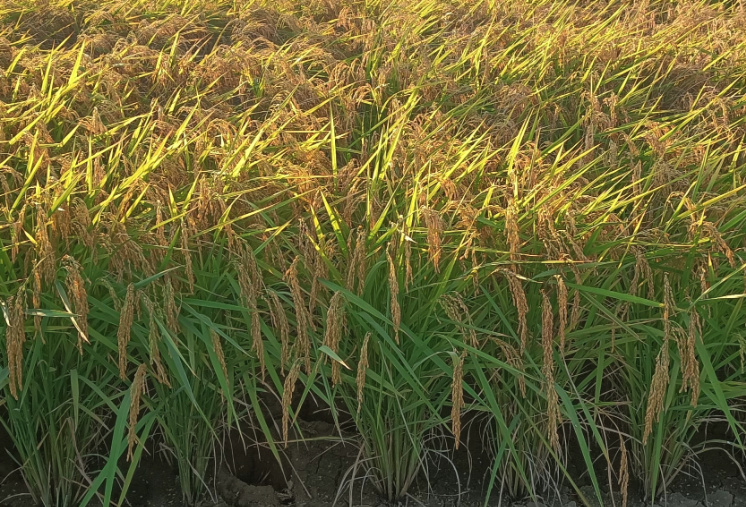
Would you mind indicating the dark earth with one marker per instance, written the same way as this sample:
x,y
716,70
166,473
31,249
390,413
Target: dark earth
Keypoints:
x,y
312,471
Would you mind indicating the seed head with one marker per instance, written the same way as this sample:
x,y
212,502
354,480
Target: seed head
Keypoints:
x,y
512,231
15,337
287,398
154,338
624,473
301,314
458,312
562,301
335,323
78,297
218,347
136,391
44,250
435,227
126,318
457,396
394,291
690,366
187,255
356,269
547,339
281,325
169,306
521,306
362,368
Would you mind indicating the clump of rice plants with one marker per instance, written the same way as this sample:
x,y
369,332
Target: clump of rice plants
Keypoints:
x,y
524,212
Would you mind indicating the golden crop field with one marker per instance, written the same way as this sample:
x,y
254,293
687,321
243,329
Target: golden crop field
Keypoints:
x,y
523,215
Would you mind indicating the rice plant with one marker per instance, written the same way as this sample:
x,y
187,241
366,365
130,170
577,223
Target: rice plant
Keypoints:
x,y
529,213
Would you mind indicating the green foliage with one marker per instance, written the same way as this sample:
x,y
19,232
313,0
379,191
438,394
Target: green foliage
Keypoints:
x,y
526,214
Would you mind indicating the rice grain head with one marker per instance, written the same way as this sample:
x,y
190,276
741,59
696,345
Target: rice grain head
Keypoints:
x,y
281,326
154,338
335,323
44,250
512,231
408,275
362,369
394,291
457,311
435,226
186,252
521,306
357,257
15,337
303,342
547,340
78,297
136,391
126,318
218,347
36,299
457,396
562,301
170,307
623,472
287,398
690,375
661,378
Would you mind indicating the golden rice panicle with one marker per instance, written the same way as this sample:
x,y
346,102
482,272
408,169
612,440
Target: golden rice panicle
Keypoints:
x,y
547,332
218,347
335,323
15,337
248,277
457,311
658,389
116,303
287,398
408,274
356,271
643,267
547,339
16,232
362,369
303,341
78,298
562,301
394,291
186,252
521,306
690,374
457,396
661,378
136,391
314,264
512,231
435,226
281,325
154,338
170,307
126,318
576,303
36,299
669,306
44,249
250,261
81,222
256,338
623,472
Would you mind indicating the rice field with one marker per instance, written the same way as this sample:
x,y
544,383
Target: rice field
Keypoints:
x,y
526,217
